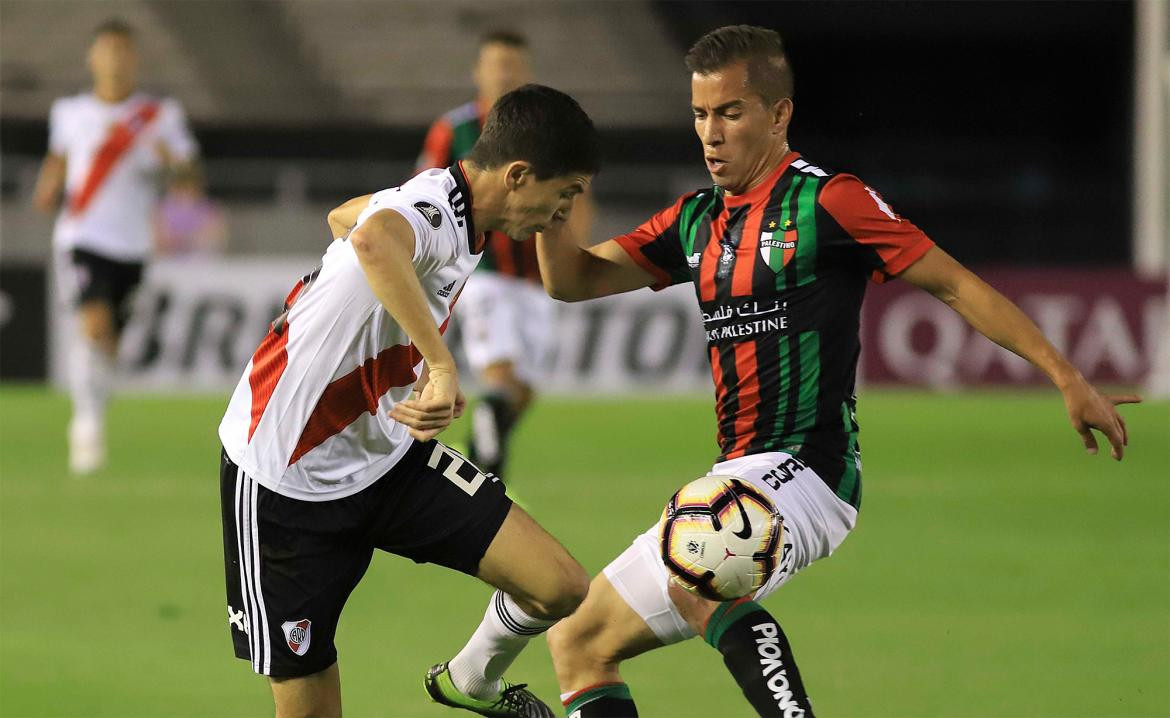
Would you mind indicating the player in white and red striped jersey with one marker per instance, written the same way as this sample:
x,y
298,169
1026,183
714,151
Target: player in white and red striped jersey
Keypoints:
x,y
107,149
326,455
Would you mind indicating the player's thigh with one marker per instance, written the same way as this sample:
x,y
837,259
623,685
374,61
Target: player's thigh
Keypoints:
x,y
438,507
313,696
95,320
526,562
588,646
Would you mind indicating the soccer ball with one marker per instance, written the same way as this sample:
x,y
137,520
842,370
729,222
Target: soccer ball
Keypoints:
x,y
720,537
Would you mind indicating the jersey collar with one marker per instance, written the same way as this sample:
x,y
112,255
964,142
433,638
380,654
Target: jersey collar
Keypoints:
x,y
475,241
761,191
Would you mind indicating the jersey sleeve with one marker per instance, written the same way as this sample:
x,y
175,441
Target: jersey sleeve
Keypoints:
x,y
887,243
174,132
58,129
436,150
434,246
656,246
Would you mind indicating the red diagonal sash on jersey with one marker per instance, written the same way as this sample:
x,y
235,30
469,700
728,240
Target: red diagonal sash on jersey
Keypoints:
x,y
121,137
359,391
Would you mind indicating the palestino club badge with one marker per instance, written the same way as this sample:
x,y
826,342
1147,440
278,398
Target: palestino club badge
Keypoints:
x,y
297,634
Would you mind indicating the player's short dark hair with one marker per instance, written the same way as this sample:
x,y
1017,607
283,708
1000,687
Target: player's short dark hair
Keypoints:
x,y
541,126
115,26
769,73
508,38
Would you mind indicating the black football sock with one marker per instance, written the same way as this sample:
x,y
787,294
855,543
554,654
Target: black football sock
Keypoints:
x,y
759,658
492,420
605,700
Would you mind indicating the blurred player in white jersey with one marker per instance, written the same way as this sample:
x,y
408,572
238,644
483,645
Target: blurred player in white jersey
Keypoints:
x,y
327,456
107,150
506,318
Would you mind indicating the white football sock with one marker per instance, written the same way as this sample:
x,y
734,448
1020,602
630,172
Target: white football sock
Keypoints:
x,y
505,630
90,375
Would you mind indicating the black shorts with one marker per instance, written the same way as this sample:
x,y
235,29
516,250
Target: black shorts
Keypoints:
x,y
97,278
292,564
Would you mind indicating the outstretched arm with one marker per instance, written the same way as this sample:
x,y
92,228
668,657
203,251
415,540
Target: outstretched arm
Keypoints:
x,y
996,318
572,273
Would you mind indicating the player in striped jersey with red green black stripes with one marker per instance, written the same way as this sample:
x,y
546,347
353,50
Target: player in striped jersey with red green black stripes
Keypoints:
x,y
779,252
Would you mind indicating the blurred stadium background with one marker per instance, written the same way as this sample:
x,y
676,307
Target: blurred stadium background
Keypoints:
x,y
996,571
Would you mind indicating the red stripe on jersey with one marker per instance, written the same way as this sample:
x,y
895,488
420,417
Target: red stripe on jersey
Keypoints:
x,y
270,361
745,255
789,237
720,392
121,137
646,233
358,392
748,393
711,256
866,217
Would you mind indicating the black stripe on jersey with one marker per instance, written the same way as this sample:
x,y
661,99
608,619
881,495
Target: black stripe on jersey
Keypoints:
x,y
729,252
790,276
793,403
729,398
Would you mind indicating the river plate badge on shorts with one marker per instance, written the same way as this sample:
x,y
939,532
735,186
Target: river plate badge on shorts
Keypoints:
x,y
298,634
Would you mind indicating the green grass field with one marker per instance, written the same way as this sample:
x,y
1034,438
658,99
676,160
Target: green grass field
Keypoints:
x,y
996,570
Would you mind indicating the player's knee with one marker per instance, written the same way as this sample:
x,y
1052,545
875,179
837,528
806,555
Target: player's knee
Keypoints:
x,y
694,609
571,588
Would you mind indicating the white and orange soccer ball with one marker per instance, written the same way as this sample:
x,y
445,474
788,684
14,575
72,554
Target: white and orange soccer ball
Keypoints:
x,y
720,537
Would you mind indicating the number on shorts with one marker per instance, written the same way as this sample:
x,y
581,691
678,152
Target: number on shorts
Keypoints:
x,y
455,463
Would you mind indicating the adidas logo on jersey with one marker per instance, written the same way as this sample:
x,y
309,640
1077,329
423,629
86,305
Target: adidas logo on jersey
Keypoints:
x,y
446,291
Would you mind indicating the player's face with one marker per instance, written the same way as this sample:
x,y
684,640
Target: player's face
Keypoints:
x,y
113,60
533,204
737,129
499,70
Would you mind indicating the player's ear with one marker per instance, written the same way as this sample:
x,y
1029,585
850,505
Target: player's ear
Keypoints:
x,y
781,115
517,174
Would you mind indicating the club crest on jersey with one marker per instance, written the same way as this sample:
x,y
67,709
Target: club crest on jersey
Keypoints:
x,y
298,634
431,212
777,252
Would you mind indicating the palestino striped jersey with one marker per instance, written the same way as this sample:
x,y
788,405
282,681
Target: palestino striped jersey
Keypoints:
x,y
450,139
113,155
308,418
780,272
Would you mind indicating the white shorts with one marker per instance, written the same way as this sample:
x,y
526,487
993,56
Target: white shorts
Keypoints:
x,y
504,318
815,524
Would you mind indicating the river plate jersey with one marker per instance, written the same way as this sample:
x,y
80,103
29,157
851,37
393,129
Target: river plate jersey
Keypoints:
x,y
780,273
309,418
450,139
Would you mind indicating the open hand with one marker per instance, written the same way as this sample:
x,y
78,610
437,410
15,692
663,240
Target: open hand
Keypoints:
x,y
1088,409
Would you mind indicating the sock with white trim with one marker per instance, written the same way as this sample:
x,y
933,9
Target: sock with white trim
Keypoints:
x,y
605,700
492,421
90,375
759,658
504,632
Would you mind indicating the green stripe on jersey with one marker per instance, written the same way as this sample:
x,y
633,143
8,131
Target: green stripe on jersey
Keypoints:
x,y
690,219
852,473
806,232
776,259
782,399
810,382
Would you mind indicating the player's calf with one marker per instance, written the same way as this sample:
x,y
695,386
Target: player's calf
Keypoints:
x,y
755,651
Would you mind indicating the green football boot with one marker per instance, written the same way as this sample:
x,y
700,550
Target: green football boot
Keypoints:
x,y
515,701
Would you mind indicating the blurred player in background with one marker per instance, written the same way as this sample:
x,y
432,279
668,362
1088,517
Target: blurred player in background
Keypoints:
x,y
108,149
778,251
327,456
505,317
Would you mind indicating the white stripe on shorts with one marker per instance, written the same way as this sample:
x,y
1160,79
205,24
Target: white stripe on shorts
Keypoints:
x,y
256,577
